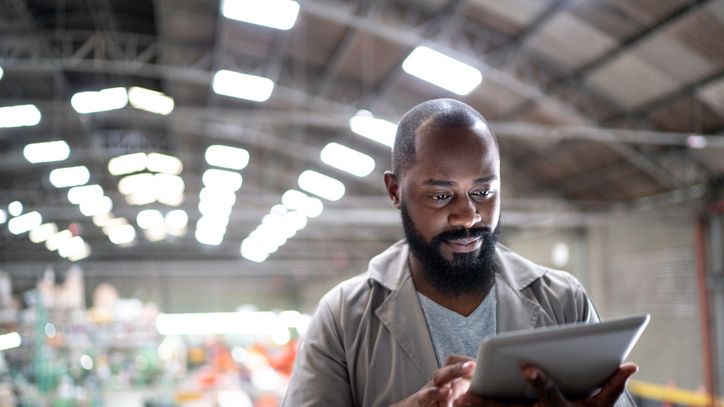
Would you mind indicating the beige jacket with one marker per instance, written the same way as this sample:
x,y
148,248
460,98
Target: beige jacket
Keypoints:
x,y
368,343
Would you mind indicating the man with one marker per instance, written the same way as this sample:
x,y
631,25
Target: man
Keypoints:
x,y
405,333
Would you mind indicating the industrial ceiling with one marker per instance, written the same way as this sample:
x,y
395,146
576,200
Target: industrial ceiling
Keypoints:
x,y
598,106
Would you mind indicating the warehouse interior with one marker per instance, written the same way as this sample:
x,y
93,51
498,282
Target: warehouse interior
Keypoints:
x,y
205,156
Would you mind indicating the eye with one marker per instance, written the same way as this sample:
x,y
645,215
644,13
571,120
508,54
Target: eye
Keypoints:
x,y
440,197
482,193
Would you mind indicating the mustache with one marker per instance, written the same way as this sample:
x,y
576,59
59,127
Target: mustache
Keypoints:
x,y
483,232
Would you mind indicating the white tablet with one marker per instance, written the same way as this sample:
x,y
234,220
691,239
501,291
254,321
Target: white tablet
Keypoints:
x,y
579,358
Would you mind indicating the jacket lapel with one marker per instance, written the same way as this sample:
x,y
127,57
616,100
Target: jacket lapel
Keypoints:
x,y
402,315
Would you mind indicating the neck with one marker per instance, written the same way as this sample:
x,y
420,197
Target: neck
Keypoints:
x,y
463,304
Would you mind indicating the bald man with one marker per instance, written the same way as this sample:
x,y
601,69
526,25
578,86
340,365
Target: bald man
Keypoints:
x,y
406,332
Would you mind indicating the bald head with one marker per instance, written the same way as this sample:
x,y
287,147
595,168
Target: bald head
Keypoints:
x,y
436,113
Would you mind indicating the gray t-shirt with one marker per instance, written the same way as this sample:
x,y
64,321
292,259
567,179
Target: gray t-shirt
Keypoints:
x,y
452,333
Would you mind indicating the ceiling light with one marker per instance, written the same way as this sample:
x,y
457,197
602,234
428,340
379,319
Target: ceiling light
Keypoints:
x,y
54,241
19,116
113,222
164,163
46,152
321,185
379,130
279,14
43,232
71,246
149,218
155,234
227,157
122,234
347,159
69,177
223,197
97,206
81,253
295,220
127,164
102,219
222,179
25,223
15,208
208,234
3,217
251,250
150,100
243,86
310,206
78,195
1,72
176,219
442,70
10,341
137,182
169,189
100,101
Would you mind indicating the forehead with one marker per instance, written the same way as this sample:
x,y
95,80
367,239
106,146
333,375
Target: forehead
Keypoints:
x,y
455,152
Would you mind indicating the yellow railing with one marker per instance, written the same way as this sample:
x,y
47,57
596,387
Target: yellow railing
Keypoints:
x,y
671,394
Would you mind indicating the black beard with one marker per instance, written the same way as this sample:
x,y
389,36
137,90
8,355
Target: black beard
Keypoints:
x,y
466,273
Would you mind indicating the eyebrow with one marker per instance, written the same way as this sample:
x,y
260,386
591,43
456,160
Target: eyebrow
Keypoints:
x,y
446,183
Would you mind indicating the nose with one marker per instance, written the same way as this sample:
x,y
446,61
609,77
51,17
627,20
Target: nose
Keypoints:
x,y
464,214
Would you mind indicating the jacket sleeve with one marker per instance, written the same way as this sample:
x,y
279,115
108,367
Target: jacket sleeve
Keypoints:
x,y
320,377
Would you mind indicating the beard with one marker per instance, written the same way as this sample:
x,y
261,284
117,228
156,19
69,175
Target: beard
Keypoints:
x,y
466,273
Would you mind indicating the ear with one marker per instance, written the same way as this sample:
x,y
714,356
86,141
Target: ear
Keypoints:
x,y
393,188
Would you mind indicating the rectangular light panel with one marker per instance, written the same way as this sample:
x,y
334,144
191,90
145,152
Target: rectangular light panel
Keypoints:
x,y
441,70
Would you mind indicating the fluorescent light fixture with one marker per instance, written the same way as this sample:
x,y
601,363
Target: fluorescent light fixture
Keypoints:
x,y
279,14
15,208
295,220
164,163
78,195
242,86
222,197
169,189
3,217
122,234
251,250
441,70
46,152
54,241
112,223
10,341
72,246
43,232
149,218
1,72
321,185
127,164
100,101
69,177
221,179
227,157
150,100
347,159
137,182
379,130
81,253
176,219
155,234
310,206
25,223
19,116
96,206
210,231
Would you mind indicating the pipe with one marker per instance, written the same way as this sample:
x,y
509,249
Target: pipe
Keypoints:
x,y
706,331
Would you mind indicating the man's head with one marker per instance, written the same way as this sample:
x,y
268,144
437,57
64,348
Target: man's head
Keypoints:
x,y
446,182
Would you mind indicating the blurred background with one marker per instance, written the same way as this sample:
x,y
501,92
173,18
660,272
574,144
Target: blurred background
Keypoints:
x,y
181,180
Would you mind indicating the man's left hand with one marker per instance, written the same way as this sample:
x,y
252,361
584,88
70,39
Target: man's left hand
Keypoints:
x,y
549,395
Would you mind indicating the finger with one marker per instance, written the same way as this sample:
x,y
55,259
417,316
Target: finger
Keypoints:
x,y
611,391
547,391
434,393
447,374
452,359
458,387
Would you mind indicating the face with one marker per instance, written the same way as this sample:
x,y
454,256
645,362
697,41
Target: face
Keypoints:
x,y
450,204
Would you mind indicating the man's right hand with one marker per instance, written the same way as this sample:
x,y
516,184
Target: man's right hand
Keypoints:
x,y
447,384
